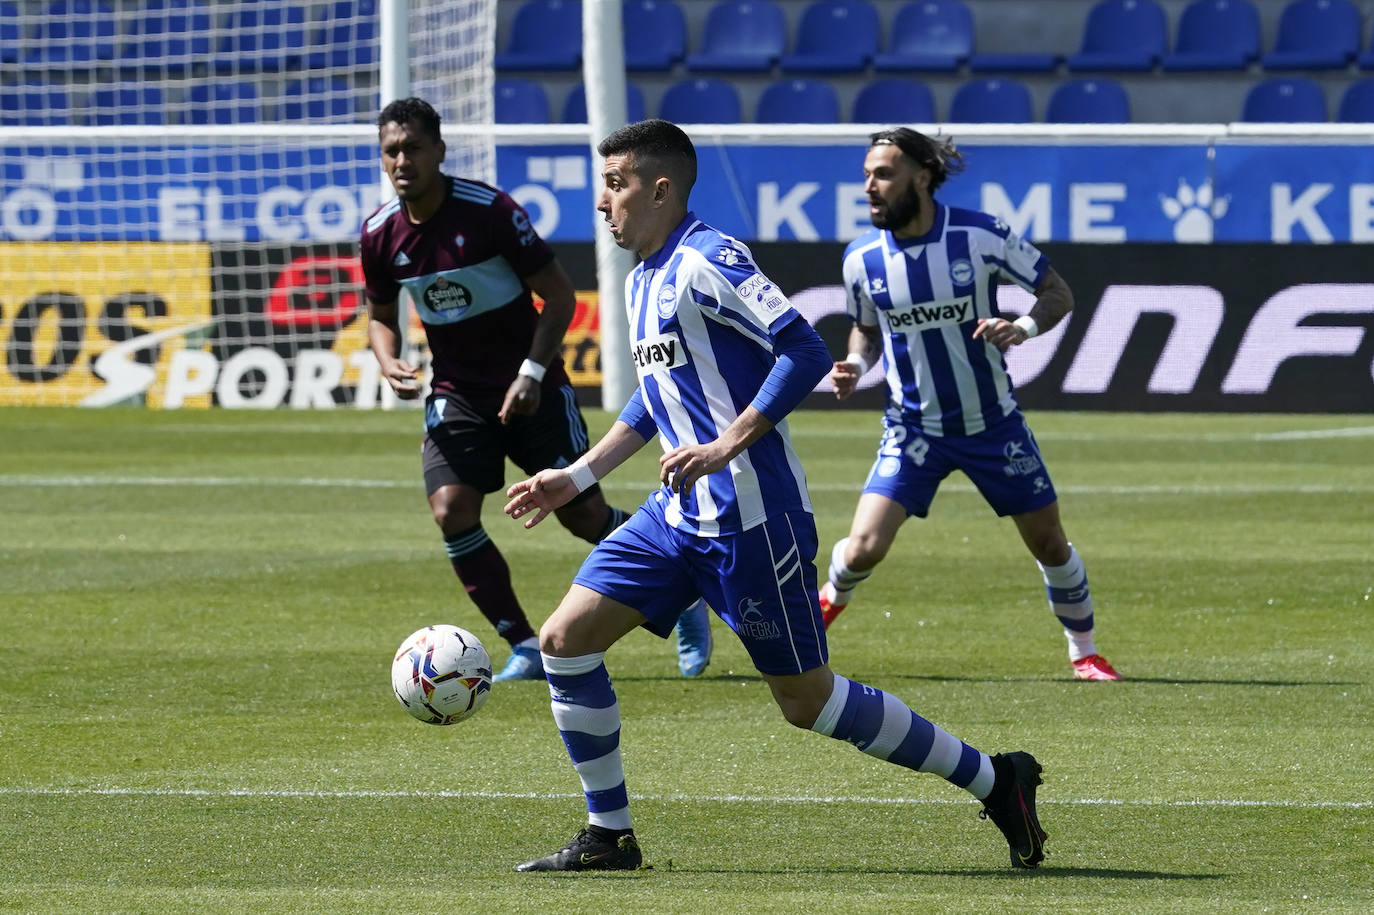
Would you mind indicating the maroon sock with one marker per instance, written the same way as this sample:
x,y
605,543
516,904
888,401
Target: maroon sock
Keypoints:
x,y
486,577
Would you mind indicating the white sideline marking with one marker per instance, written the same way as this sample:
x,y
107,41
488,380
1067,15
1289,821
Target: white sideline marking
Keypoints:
x,y
1192,489
1076,436
710,798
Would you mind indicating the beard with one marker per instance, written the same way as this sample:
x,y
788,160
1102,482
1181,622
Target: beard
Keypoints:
x,y
900,211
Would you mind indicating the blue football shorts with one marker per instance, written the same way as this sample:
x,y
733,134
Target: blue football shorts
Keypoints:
x,y
1003,461
761,582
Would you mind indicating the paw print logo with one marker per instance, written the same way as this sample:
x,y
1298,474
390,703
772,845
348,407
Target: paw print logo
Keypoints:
x,y
1194,211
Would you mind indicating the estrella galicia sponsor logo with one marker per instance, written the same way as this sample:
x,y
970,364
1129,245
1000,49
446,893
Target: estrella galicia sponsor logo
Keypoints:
x,y
659,353
444,296
961,271
927,315
1019,463
753,623
667,300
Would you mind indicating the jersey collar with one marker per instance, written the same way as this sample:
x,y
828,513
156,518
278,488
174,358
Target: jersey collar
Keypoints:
x,y
937,228
659,257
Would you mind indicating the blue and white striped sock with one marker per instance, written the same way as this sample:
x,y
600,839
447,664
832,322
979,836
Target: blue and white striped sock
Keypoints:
x,y
588,718
1071,601
842,577
881,725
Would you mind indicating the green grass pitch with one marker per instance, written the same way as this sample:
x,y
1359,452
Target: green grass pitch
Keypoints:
x,y
198,611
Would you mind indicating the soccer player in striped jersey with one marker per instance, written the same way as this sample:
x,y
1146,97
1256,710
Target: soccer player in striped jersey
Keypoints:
x,y
722,358
470,258
922,290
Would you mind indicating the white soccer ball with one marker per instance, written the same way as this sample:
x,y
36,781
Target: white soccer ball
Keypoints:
x,y
441,674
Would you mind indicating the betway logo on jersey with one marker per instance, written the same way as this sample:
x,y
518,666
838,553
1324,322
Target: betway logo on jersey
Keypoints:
x,y
659,353
928,315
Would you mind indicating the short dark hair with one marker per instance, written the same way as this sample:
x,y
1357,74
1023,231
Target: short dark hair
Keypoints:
x,y
411,111
939,157
659,143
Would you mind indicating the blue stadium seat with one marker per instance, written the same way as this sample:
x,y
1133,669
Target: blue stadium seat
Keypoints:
x,y
322,99
128,103
1122,35
1366,60
894,101
11,33
700,101
73,33
741,36
262,36
34,104
934,36
168,36
575,105
224,101
835,36
1357,103
798,101
545,35
348,37
1284,99
655,35
1215,35
991,101
1315,35
1089,101
520,101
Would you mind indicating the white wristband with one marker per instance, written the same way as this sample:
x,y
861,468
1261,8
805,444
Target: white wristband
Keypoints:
x,y
1027,323
531,369
860,361
580,472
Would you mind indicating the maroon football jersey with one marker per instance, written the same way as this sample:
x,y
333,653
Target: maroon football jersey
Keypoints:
x,y
463,269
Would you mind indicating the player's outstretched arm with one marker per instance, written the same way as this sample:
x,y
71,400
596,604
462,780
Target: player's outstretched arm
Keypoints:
x,y
549,490
384,336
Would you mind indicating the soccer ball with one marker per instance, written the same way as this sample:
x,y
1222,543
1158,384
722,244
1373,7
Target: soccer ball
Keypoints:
x,y
441,674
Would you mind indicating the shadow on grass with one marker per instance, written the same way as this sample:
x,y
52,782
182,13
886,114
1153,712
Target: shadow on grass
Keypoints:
x,y
1001,873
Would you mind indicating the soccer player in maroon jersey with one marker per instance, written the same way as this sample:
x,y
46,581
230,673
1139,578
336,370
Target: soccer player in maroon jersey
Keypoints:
x,y
469,257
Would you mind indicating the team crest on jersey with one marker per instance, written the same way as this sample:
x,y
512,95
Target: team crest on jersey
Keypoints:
x,y
400,260
659,353
1019,463
667,300
961,271
447,298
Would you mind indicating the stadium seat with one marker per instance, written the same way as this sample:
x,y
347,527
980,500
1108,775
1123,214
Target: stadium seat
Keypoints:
x,y
835,36
262,36
1366,60
798,101
322,99
11,33
34,104
700,101
348,37
1284,99
991,101
73,33
894,101
128,103
1089,101
1215,35
933,36
1315,35
1357,103
224,101
168,37
655,35
520,101
741,36
1122,35
545,35
575,105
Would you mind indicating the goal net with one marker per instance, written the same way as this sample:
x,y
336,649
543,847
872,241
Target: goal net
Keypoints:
x,y
183,185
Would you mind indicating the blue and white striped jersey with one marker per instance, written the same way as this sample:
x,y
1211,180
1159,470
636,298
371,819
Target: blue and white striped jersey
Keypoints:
x,y
926,295
702,319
